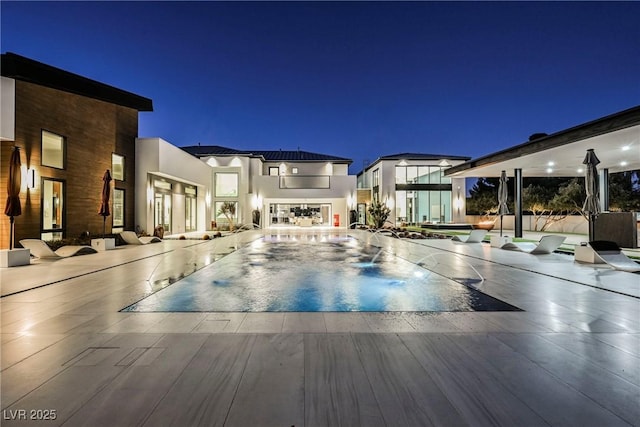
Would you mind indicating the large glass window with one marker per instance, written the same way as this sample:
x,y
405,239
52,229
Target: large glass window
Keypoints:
x,y
52,209
118,208
190,209
375,178
53,147
415,207
117,167
226,185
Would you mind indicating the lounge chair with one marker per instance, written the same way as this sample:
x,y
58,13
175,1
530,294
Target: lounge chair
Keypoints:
x,y
475,236
132,238
611,254
546,245
40,249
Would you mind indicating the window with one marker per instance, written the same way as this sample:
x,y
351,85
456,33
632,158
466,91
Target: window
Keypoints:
x,y
226,185
190,209
375,179
226,216
52,150
274,171
118,207
117,167
52,209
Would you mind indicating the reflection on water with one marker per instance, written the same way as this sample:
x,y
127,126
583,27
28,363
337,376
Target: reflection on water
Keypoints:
x,y
315,273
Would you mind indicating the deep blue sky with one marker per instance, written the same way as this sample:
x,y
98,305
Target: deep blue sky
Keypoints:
x,y
357,80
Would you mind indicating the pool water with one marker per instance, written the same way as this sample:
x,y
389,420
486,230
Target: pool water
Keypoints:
x,y
315,274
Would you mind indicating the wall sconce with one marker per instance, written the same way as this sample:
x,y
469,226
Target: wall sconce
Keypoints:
x,y
256,201
390,203
31,178
150,194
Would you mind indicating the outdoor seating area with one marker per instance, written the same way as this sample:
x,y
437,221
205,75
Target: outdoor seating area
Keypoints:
x,y
131,238
475,236
40,249
529,358
546,245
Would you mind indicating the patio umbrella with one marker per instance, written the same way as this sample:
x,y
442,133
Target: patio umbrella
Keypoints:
x,y
503,195
591,206
13,208
104,205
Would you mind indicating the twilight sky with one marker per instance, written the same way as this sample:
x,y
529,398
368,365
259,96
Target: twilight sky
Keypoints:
x,y
352,79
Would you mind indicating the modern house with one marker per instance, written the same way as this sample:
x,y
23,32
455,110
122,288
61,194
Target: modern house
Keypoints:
x,y
69,130
274,188
414,187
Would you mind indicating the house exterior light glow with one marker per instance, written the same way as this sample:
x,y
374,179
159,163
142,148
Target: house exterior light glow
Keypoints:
x,y
414,187
69,130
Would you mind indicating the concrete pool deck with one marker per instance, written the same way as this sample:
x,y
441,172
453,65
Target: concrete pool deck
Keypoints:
x,y
572,357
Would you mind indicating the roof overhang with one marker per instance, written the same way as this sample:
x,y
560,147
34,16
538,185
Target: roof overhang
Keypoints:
x,y
615,140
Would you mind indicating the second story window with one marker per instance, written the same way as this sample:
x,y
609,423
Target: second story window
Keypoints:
x,y
53,150
117,167
226,185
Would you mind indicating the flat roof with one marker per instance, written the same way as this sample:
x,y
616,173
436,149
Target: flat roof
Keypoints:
x,y
614,138
27,70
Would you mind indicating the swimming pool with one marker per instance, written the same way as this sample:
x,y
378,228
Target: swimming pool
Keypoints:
x,y
315,273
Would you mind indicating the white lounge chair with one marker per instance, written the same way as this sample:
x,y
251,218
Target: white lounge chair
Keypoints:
x,y
611,254
546,245
475,236
132,238
40,249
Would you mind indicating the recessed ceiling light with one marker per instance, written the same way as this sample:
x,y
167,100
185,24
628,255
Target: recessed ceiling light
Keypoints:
x,y
551,164
580,170
625,148
623,163
549,170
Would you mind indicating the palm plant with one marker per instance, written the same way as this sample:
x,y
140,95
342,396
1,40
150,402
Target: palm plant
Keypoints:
x,y
228,209
378,213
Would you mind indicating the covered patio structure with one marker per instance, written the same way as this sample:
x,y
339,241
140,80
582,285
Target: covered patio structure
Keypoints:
x,y
614,138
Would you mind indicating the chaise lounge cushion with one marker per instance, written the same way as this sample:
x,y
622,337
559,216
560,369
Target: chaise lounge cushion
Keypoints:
x,y
40,249
475,236
546,245
132,238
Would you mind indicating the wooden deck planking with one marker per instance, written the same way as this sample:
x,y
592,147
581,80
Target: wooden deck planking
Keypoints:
x,y
479,397
337,390
609,390
204,391
406,393
132,396
272,384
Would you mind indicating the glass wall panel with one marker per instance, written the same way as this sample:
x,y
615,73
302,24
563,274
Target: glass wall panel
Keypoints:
x,y
412,174
401,175
401,206
434,174
423,174
52,208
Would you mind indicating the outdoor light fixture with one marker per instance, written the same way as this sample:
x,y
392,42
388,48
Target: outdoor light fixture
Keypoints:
x,y
626,148
551,164
623,163
549,170
207,199
31,178
580,170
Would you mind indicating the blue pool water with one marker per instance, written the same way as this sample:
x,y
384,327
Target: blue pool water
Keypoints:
x,y
314,274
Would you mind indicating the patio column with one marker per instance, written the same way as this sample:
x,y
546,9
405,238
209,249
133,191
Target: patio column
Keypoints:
x,y
604,189
517,199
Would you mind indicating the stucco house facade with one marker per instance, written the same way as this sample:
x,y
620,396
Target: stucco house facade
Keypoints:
x,y
414,187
